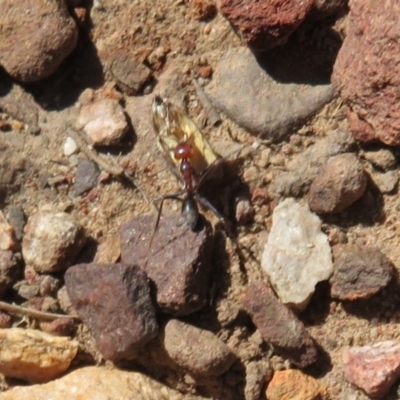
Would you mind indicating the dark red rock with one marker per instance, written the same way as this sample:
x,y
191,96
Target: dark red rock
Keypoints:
x,y
5,320
265,24
10,270
59,327
114,301
359,272
371,50
278,325
196,350
374,369
178,262
339,183
129,72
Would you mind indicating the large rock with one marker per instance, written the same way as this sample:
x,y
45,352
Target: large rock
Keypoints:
x,y
297,255
371,50
36,36
114,301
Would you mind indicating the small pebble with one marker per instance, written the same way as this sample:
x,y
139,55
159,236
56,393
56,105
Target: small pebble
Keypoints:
x,y
10,270
382,159
86,176
70,147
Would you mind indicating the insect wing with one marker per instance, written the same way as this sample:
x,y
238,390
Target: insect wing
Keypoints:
x,y
174,126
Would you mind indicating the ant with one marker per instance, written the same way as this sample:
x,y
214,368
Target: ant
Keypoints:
x,y
183,155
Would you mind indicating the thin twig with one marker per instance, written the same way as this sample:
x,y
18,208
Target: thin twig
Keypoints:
x,y
14,309
109,165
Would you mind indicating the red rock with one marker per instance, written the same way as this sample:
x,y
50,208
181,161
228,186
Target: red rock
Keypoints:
x,y
292,384
279,326
265,24
59,327
359,272
374,369
339,183
37,35
371,51
114,301
204,9
179,261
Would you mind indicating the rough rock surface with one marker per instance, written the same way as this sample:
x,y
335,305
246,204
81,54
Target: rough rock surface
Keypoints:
x,y
374,100
339,183
265,24
114,301
264,106
7,235
326,8
98,383
10,270
196,350
294,385
103,121
278,325
297,255
303,169
374,369
52,241
86,176
37,35
359,272
178,261
34,356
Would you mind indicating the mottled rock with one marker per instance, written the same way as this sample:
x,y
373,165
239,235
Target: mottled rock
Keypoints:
x,y
52,241
86,176
304,168
37,35
339,183
114,301
374,100
16,217
34,356
8,240
297,254
267,24
204,9
278,325
381,159
292,384
386,182
103,121
243,90
374,369
178,261
196,350
98,383
129,73
359,272
10,270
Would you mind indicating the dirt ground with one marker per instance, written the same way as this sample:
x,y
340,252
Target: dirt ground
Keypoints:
x,y
27,161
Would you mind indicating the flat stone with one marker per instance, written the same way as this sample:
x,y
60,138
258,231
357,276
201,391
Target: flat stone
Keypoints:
x,y
34,356
374,100
294,385
339,183
37,35
103,121
247,94
98,383
359,272
129,73
279,326
297,254
86,176
374,369
196,350
119,293
52,241
178,262
304,168
264,25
